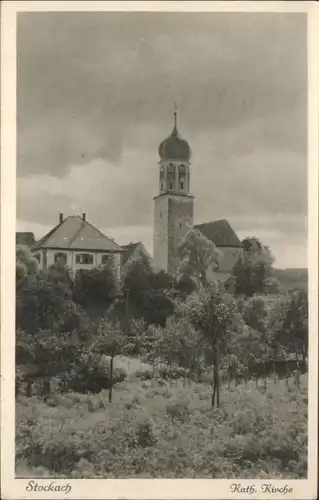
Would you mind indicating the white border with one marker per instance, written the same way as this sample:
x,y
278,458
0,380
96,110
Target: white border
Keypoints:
x,y
142,488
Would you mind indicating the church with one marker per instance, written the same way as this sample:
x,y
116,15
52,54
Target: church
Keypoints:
x,y
174,211
79,245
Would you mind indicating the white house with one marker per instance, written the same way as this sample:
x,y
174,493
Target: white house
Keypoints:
x,y
77,244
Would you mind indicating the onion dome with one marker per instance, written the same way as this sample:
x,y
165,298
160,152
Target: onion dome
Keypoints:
x,y
174,147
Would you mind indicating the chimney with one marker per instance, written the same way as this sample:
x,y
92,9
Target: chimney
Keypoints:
x,y
60,218
83,216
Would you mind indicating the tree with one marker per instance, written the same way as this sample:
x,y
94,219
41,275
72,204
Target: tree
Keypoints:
x,y
184,286
197,254
179,341
53,351
58,273
255,315
148,293
110,341
40,303
26,265
48,323
290,330
136,277
214,316
160,280
135,331
95,289
252,271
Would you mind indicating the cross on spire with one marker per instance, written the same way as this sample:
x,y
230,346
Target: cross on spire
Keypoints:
x,y
175,114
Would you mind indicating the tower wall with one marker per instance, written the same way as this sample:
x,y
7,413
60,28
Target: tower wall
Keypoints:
x,y
160,245
173,219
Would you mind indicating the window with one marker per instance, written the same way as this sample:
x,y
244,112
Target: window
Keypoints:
x,y
171,185
180,224
170,168
182,185
106,259
84,258
182,169
60,258
161,186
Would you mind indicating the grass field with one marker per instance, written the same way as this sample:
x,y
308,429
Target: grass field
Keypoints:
x,y
165,431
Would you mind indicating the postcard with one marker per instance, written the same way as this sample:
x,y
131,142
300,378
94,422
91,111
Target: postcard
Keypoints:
x,y
159,250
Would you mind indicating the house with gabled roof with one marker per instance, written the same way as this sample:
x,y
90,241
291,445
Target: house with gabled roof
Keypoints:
x,y
76,243
134,251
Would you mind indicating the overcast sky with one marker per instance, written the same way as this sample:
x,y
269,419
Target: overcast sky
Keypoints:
x,y
95,98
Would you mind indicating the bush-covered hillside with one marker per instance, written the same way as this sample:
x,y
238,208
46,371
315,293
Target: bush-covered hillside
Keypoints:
x,y
169,377
166,431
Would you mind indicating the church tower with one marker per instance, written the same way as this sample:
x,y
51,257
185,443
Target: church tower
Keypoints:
x,y
174,204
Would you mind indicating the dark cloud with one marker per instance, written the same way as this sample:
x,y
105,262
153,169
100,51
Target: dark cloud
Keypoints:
x,y
98,89
108,71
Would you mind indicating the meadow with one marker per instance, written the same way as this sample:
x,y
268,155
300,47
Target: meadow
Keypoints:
x,y
165,429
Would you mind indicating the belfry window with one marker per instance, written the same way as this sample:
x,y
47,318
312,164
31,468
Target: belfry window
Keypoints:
x,y
182,169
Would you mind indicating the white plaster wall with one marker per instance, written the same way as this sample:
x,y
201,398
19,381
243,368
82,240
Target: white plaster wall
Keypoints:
x,y
180,221
71,259
230,257
160,237
173,219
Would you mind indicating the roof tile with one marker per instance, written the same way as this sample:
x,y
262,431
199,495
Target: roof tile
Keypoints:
x,y
220,232
74,233
128,251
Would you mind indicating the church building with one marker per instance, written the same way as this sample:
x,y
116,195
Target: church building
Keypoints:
x,y
174,210
79,245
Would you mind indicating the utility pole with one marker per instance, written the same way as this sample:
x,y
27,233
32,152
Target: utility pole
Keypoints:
x,y
127,293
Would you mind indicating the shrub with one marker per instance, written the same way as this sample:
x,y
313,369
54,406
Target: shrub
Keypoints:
x,y
144,433
144,374
178,410
95,379
170,433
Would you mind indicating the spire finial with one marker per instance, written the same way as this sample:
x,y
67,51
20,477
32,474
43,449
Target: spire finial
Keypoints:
x,y
175,114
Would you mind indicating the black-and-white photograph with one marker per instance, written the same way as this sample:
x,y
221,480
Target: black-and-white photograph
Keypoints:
x,y
161,246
